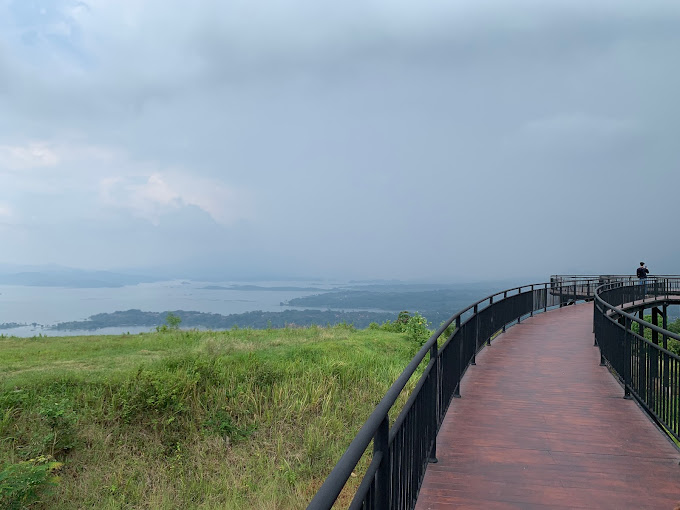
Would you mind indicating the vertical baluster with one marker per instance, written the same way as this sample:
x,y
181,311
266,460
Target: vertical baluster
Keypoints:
x,y
488,340
627,358
380,446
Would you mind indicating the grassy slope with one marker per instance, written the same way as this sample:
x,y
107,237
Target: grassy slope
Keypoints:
x,y
233,419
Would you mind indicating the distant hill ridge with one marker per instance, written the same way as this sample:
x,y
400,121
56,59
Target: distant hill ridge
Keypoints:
x,y
254,320
73,279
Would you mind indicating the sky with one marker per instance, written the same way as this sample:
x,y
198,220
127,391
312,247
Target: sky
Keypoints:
x,y
374,139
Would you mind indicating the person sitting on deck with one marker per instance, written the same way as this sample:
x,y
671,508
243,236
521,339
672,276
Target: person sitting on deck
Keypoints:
x,y
642,273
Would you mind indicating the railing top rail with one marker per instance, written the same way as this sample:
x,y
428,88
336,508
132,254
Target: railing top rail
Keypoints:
x,y
503,292
622,312
338,477
596,277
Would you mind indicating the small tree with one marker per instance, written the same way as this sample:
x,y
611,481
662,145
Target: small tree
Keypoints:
x,y
402,319
173,321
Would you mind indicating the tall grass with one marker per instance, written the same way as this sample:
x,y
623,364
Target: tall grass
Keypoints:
x,y
189,419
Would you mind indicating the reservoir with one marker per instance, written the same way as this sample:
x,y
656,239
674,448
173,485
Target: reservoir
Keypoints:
x,y
40,307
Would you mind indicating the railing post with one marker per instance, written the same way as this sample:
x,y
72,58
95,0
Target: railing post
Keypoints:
x,y
532,301
594,319
664,359
641,327
654,360
488,340
633,291
505,296
434,402
561,299
655,321
545,303
519,293
456,390
474,351
643,374
664,318
382,476
627,359
601,322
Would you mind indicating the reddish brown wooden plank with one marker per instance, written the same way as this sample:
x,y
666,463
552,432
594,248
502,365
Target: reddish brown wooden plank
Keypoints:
x,y
542,425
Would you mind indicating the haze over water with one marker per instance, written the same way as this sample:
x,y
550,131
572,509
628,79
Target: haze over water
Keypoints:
x,y
47,306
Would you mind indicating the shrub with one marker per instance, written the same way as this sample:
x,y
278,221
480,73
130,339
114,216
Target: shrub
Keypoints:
x,y
23,483
344,325
61,419
417,329
155,392
221,423
415,326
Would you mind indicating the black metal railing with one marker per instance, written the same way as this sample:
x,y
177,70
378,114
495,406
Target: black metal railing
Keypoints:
x,y
402,452
582,285
646,367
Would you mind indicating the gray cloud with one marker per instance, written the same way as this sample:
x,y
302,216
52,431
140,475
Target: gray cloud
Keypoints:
x,y
365,139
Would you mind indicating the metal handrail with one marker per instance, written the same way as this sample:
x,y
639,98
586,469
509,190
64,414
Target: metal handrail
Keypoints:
x,y
648,370
395,473
628,277
620,311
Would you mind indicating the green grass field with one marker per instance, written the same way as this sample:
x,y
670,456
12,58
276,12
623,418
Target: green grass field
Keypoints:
x,y
187,419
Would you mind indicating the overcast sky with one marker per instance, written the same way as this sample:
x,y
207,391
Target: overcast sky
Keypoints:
x,y
359,139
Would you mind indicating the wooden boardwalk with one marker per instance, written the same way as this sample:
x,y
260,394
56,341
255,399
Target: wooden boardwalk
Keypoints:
x,y
541,425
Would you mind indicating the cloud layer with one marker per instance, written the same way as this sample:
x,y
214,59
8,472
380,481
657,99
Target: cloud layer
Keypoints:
x,y
443,140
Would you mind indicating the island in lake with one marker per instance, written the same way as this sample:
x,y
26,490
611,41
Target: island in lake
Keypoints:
x,y
255,320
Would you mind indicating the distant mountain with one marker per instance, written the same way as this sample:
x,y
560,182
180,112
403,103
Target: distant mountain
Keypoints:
x,y
445,301
73,278
287,288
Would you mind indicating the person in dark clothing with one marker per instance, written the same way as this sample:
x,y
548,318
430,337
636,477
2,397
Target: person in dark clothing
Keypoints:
x,y
642,273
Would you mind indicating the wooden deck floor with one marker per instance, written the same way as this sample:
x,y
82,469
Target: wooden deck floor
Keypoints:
x,y
541,425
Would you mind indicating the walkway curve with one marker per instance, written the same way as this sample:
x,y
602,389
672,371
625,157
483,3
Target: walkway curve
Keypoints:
x,y
541,425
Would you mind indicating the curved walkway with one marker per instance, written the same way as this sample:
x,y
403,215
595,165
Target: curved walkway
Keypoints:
x,y
541,425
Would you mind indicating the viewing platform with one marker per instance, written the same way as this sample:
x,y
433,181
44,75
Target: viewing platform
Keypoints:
x,y
563,394
542,425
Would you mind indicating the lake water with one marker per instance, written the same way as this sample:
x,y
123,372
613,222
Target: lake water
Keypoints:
x,y
46,306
